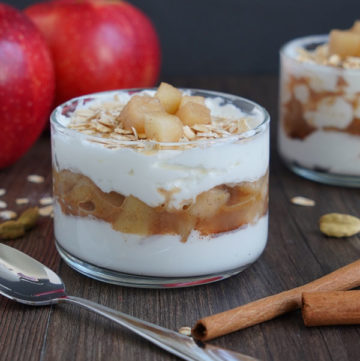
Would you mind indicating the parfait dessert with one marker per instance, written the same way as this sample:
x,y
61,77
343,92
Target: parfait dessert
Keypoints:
x,y
160,188
319,128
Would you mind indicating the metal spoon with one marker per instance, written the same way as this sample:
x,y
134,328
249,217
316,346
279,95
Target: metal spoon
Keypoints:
x,y
26,280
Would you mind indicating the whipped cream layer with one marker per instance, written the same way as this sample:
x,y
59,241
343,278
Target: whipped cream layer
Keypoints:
x,y
336,152
160,255
182,173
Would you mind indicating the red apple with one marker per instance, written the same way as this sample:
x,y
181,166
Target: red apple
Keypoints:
x,y
26,84
98,45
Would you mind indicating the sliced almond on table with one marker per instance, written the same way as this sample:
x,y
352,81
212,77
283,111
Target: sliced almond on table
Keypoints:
x,y
339,225
303,201
8,214
34,178
3,204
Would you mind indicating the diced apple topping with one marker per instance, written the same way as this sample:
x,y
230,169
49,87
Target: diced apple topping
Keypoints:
x,y
194,113
134,113
193,99
173,116
344,43
169,96
208,203
356,27
163,127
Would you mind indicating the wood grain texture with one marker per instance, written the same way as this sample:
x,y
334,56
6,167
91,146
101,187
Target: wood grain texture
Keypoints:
x,y
296,253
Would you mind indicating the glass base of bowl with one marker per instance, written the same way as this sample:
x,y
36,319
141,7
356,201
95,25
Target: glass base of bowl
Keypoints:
x,y
324,177
130,280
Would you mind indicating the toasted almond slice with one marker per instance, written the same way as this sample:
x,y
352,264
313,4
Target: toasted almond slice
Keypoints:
x,y
45,201
8,214
34,178
2,191
3,204
303,201
46,211
185,330
20,201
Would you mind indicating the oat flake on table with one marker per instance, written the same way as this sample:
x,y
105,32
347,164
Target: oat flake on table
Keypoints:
x,y
34,178
8,215
3,204
21,201
2,191
303,201
45,201
185,330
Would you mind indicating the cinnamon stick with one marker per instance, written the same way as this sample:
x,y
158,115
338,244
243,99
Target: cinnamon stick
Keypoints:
x,y
270,307
331,308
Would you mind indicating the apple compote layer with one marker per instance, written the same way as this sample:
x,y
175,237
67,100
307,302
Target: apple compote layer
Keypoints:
x,y
223,208
319,124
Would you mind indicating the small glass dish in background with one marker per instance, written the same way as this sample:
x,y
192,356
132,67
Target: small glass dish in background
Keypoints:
x,y
319,127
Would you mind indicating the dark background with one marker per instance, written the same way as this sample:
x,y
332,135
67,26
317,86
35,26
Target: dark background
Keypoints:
x,y
231,37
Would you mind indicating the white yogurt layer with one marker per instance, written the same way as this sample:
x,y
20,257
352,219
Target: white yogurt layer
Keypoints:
x,y
96,242
338,153
185,173
331,112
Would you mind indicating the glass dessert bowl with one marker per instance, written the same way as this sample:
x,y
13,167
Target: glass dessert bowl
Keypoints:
x,y
319,128
160,188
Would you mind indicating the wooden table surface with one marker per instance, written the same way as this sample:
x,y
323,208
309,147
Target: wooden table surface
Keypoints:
x,y
296,253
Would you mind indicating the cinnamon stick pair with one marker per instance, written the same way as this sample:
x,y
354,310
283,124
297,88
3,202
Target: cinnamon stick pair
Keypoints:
x,y
267,308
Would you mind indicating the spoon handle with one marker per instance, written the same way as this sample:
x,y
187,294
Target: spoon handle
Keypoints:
x,y
171,341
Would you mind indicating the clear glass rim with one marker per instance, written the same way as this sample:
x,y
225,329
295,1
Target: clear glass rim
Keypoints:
x,y
305,40
243,136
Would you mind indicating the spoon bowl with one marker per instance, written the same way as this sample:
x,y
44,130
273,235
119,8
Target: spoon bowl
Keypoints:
x,y
28,281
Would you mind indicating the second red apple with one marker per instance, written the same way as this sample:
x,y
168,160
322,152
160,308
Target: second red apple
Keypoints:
x,y
98,45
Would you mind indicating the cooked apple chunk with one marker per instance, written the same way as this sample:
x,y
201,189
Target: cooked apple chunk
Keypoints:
x,y
344,43
208,203
135,111
163,127
194,113
356,27
193,99
169,97
136,217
